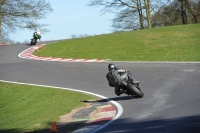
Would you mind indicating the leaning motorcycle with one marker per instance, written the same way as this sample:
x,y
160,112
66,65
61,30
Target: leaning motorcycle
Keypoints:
x,y
129,87
34,39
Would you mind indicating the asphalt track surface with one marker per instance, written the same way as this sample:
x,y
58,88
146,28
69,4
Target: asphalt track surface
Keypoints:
x,y
171,101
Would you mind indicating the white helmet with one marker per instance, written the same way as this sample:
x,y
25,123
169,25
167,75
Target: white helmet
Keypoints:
x,y
38,30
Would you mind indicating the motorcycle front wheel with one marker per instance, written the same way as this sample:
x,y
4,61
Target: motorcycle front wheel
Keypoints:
x,y
134,90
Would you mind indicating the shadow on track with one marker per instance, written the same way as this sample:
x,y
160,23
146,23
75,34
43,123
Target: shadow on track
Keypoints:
x,y
188,124
119,98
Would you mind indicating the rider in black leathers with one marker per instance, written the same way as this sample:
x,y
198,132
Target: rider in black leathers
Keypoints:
x,y
113,77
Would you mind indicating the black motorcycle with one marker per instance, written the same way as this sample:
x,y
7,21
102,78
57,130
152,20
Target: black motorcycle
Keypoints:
x,y
34,39
129,87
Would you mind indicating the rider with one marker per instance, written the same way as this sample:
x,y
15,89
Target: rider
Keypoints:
x,y
113,77
39,33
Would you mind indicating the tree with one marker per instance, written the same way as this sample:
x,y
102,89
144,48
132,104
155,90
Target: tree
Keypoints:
x,y
183,11
147,5
130,13
168,15
128,20
177,12
194,9
22,14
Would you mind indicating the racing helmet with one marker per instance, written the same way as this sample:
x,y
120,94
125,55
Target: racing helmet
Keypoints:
x,y
111,66
38,30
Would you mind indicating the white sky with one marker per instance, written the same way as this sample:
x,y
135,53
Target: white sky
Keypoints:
x,y
70,17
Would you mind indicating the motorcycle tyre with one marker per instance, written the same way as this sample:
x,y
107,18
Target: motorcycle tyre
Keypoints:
x,y
134,90
33,41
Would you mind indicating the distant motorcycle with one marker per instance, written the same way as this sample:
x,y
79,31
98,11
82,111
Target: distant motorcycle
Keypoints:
x,y
129,87
34,39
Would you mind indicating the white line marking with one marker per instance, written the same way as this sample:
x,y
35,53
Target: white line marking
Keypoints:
x,y
27,54
116,104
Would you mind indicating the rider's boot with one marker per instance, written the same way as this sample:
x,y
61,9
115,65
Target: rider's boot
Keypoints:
x,y
120,92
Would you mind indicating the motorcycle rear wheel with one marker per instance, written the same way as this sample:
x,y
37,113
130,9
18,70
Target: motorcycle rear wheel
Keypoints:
x,y
33,41
134,90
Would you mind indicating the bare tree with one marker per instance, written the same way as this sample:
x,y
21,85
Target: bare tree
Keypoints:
x,y
168,15
129,13
177,12
22,14
183,11
194,9
127,20
139,14
147,5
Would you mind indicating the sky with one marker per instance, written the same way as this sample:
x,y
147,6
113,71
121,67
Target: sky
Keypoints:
x,y
70,17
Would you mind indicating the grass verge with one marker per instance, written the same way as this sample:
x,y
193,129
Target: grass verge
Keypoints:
x,y
173,43
25,108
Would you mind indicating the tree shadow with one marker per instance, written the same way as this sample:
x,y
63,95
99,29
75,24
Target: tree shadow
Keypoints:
x,y
60,128
187,124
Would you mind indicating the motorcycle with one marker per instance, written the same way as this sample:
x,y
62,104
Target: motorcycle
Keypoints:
x,y
129,87
34,39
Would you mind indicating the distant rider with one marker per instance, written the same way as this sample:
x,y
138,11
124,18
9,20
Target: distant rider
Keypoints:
x,y
113,77
39,33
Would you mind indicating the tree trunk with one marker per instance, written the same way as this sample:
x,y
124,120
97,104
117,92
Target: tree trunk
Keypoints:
x,y
147,4
1,4
1,19
140,14
191,11
0,28
149,13
183,12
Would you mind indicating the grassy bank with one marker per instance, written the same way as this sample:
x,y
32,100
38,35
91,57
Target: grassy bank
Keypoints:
x,y
27,108
173,43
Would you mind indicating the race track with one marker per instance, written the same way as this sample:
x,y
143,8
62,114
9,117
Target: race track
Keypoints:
x,y
171,101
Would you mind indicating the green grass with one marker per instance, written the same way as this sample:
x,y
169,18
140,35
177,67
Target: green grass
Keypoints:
x,y
27,108
173,43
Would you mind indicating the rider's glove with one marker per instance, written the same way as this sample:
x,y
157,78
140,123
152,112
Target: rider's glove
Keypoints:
x,y
121,70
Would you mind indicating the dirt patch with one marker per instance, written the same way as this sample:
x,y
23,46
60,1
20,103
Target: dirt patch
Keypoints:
x,y
94,114
67,118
